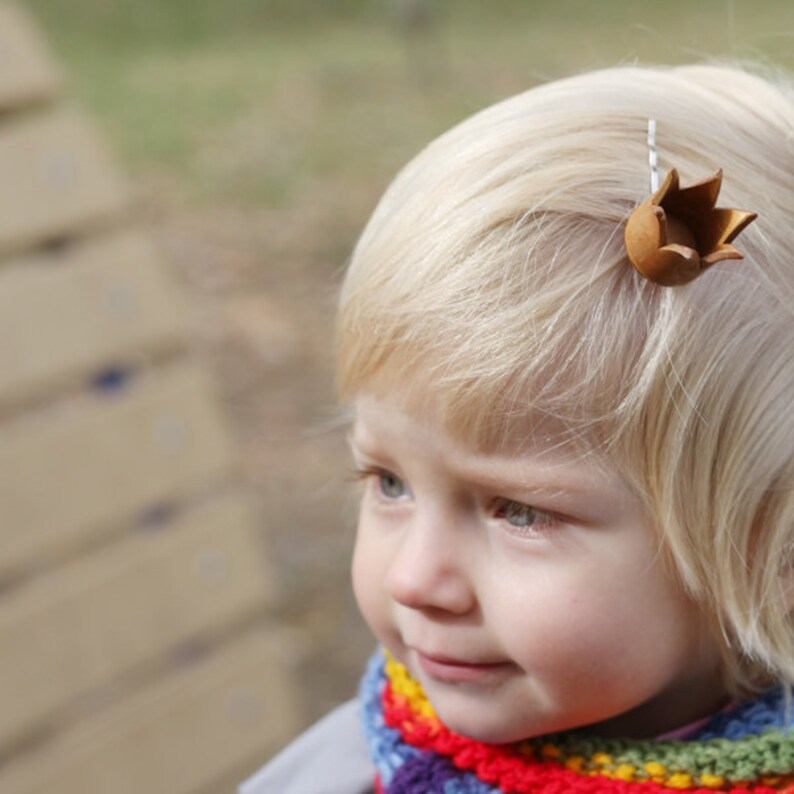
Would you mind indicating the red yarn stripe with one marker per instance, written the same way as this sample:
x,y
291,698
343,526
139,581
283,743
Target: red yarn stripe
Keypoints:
x,y
511,771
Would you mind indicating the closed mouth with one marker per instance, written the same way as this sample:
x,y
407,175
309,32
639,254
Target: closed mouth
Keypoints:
x,y
451,669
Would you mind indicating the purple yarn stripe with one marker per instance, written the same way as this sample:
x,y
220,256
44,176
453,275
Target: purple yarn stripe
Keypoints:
x,y
424,774
433,774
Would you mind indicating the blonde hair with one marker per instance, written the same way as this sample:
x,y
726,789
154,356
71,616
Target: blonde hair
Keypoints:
x,y
491,284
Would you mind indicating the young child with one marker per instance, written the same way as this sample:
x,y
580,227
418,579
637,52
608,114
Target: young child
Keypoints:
x,y
574,424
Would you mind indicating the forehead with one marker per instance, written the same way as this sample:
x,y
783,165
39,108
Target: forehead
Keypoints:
x,y
540,454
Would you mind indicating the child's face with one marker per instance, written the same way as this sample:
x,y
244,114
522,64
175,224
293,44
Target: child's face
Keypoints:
x,y
527,593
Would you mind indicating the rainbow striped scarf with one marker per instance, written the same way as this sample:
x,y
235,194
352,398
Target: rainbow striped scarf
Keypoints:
x,y
745,749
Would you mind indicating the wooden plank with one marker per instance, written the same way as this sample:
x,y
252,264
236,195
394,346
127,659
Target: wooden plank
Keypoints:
x,y
177,735
66,313
56,180
103,615
27,71
75,471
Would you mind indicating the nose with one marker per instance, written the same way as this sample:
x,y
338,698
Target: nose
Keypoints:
x,y
429,571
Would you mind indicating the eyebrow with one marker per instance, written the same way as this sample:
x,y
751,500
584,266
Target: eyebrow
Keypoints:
x,y
491,475
528,478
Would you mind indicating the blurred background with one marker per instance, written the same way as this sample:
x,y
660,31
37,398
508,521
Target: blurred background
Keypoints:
x,y
258,135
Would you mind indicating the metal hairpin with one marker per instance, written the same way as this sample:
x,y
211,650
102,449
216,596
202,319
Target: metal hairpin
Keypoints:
x,y
652,155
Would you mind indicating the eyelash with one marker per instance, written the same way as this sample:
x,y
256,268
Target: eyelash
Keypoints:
x,y
365,473
543,522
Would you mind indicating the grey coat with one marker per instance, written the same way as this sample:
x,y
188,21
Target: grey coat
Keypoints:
x,y
330,758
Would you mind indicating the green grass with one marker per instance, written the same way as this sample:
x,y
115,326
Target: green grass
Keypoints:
x,y
259,101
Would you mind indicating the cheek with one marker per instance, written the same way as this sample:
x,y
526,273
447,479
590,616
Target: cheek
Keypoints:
x,y
556,633
592,625
368,574
360,574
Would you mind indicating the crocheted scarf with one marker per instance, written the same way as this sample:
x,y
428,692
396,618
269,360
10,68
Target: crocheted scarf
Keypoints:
x,y
745,749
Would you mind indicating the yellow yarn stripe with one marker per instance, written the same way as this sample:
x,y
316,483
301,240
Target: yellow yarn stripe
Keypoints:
x,y
410,691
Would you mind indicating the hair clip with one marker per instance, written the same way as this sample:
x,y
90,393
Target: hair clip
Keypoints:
x,y
677,233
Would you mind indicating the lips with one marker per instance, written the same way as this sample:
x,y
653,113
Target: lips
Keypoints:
x,y
451,670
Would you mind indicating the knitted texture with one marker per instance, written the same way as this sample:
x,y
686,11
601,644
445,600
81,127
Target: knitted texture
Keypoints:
x,y
749,748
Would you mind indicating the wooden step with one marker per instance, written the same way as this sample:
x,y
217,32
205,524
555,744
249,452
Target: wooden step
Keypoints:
x,y
85,625
55,180
68,313
28,74
231,709
81,470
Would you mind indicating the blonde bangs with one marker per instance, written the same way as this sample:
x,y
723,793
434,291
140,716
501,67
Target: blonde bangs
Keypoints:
x,y
540,340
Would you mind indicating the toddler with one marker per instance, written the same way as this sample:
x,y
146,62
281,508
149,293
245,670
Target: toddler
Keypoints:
x,y
572,382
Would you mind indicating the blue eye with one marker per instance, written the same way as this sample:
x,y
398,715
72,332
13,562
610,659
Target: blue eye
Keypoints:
x,y
523,517
391,486
519,515
387,485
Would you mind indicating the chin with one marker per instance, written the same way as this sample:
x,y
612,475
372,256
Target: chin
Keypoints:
x,y
488,728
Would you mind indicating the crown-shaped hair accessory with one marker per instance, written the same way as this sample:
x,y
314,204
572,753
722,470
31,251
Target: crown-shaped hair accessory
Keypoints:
x,y
677,233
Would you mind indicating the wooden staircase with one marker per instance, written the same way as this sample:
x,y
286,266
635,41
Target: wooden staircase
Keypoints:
x,y
136,650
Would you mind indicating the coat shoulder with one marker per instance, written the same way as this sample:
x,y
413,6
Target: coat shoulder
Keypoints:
x,y
329,758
